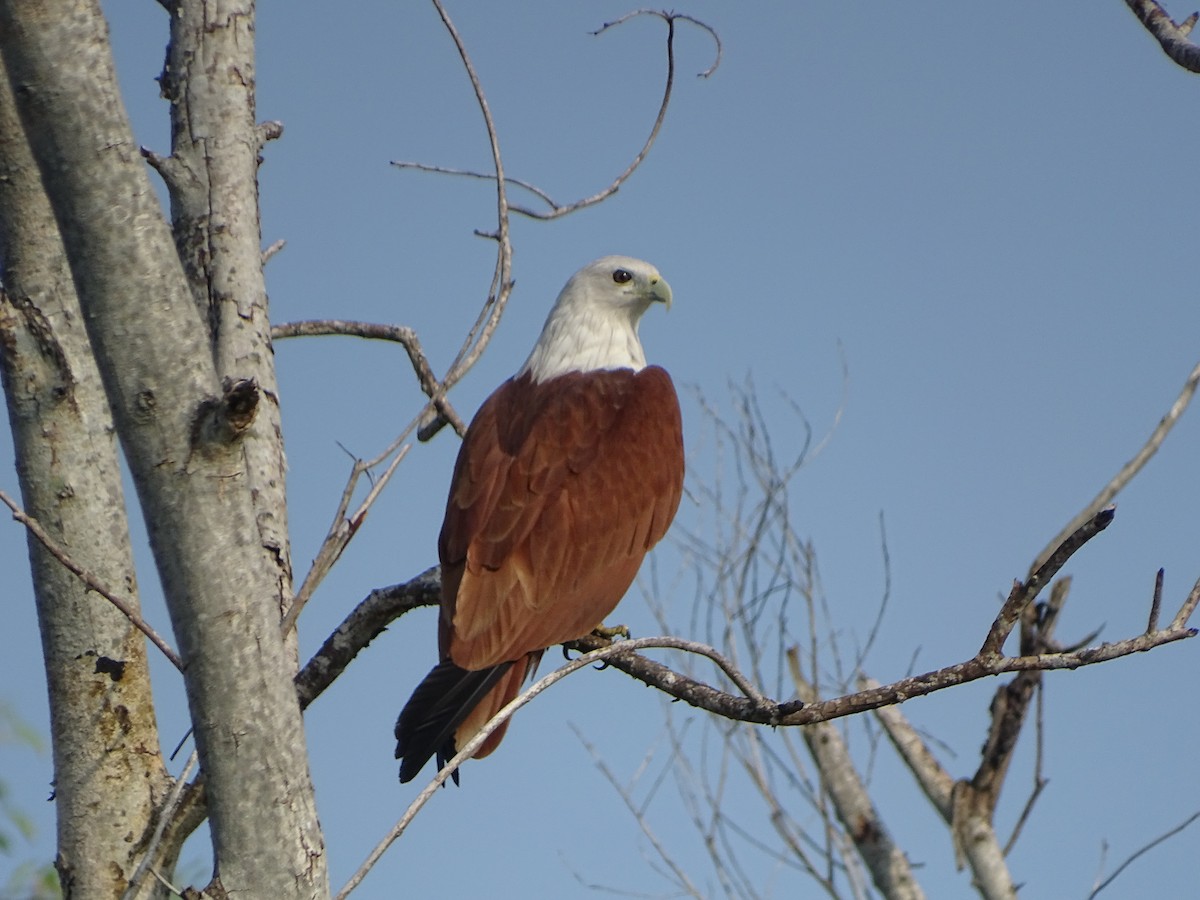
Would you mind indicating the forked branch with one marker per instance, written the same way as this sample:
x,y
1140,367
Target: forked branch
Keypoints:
x,y
752,706
403,335
554,209
437,411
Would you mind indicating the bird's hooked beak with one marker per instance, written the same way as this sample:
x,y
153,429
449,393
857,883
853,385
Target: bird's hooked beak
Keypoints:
x,y
660,290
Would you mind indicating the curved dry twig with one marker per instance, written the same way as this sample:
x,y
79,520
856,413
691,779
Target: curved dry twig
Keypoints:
x,y
609,653
502,283
435,413
344,527
1143,850
403,335
557,210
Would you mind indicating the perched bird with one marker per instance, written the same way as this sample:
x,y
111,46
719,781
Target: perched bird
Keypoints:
x,y
568,474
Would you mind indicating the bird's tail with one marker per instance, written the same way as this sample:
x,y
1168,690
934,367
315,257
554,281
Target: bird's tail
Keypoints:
x,y
449,706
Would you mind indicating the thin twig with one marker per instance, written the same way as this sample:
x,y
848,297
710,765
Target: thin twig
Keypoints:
x,y
91,579
272,250
335,542
1155,602
400,334
1146,849
611,652
1039,780
484,176
165,814
557,210
501,287
639,817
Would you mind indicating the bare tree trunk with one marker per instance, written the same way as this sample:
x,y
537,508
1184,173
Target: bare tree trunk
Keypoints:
x,y
103,728
184,436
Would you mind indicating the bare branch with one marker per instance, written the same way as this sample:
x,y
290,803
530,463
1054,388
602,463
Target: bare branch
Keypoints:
x,y
773,713
275,247
887,864
1023,594
1142,850
612,651
502,284
935,781
91,580
165,814
484,176
400,334
638,814
1131,468
1011,702
340,534
1173,38
669,17
756,708
364,624
557,210
1156,602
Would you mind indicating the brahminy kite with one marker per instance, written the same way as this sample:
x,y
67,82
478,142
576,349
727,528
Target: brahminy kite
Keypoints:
x,y
568,474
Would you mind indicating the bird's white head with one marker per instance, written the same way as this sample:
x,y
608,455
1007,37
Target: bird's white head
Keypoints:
x,y
594,322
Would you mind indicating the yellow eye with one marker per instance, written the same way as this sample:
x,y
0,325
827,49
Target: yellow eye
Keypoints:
x,y
620,276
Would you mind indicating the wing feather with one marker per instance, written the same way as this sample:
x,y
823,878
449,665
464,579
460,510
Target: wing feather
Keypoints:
x,y
559,491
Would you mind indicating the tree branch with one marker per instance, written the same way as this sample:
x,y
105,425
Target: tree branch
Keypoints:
x,y
558,210
343,529
400,334
889,868
1142,850
92,580
1131,468
363,625
1171,36
1022,594
380,607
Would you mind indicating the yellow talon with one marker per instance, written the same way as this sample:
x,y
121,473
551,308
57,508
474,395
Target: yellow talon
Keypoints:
x,y
612,632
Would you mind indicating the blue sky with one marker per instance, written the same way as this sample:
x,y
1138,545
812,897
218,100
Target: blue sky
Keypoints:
x,y
986,211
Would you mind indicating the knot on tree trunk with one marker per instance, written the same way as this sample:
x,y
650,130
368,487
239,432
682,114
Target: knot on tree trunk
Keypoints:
x,y
222,420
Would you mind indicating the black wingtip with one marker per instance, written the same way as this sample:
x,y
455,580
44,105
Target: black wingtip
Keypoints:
x,y
443,699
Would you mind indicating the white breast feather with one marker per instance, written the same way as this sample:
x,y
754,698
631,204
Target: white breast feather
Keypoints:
x,y
583,340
